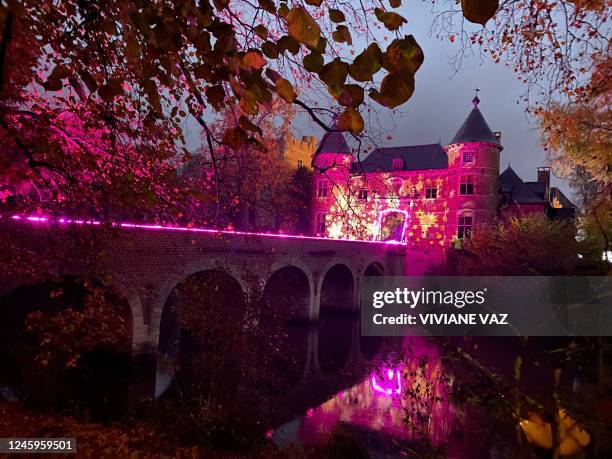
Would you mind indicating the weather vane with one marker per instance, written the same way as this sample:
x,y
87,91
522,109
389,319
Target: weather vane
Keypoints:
x,y
476,100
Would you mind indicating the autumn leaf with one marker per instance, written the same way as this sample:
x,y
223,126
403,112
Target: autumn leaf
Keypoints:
x,y
334,73
313,62
113,88
288,43
342,35
267,5
270,50
303,27
248,103
254,60
395,3
391,20
336,16
247,125
366,64
479,11
216,96
261,31
351,120
395,89
285,89
54,82
403,54
351,95
235,137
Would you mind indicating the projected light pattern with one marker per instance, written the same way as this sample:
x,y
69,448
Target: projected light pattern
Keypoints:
x,y
388,381
70,221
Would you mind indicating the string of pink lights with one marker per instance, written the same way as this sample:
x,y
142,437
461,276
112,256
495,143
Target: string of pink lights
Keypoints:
x,y
148,226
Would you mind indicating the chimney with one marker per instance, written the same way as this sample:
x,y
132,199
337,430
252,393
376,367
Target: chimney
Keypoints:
x,y
544,177
497,135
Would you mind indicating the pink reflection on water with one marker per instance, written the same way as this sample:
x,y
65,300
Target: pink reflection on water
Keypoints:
x,y
387,381
415,390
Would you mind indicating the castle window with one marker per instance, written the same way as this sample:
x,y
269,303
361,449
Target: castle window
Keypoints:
x,y
467,185
397,164
464,227
322,189
363,195
300,163
468,157
320,223
431,193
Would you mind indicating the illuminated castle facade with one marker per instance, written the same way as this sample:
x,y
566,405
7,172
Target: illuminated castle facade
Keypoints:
x,y
424,196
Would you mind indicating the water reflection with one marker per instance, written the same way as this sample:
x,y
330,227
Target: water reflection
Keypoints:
x,y
405,396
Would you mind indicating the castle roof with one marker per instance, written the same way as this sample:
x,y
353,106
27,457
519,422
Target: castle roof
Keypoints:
x,y
509,178
334,142
521,192
475,128
415,157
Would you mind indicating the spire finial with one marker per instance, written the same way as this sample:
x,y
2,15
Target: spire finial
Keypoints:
x,y
476,100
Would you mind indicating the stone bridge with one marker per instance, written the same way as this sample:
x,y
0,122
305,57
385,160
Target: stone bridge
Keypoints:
x,y
144,263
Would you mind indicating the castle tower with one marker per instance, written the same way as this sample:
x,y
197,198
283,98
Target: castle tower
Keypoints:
x,y
298,153
332,166
473,174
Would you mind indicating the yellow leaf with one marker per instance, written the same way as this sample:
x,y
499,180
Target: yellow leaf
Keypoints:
x,y
303,27
351,120
285,90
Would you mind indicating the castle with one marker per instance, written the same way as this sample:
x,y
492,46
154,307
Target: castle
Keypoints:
x,y
424,196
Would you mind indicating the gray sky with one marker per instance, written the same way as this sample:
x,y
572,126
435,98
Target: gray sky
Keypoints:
x,y
442,100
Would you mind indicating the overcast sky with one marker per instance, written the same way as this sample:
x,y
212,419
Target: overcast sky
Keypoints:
x,y
442,100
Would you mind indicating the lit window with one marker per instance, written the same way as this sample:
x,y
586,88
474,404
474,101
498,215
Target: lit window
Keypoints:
x,y
431,193
363,195
467,185
464,227
322,189
320,223
468,157
397,164
300,163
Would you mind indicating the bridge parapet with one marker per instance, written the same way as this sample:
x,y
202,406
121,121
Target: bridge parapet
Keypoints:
x,y
144,263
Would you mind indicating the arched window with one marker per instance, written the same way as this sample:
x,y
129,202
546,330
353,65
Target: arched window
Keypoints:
x,y
465,223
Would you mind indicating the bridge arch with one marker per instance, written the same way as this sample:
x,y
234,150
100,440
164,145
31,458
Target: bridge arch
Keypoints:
x,y
139,336
291,285
212,300
99,372
374,268
337,286
161,296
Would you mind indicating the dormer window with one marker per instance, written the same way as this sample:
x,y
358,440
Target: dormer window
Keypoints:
x,y
468,157
397,164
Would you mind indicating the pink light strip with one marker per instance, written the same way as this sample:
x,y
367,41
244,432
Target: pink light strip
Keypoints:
x,y
67,221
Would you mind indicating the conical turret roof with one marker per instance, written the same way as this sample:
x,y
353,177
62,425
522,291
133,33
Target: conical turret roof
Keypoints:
x,y
475,128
